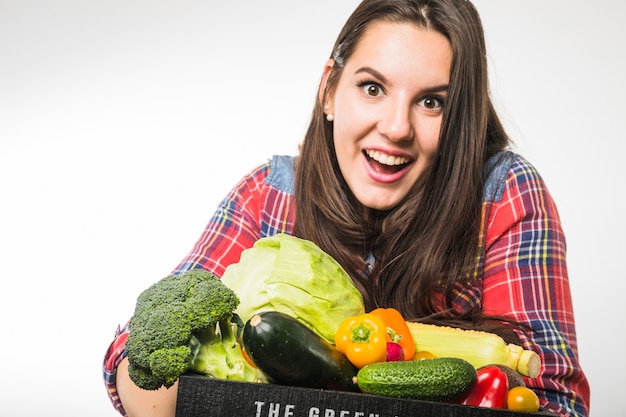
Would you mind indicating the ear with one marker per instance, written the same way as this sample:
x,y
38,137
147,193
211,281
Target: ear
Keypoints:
x,y
322,90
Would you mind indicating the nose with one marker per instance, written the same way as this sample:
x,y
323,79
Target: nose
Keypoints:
x,y
395,122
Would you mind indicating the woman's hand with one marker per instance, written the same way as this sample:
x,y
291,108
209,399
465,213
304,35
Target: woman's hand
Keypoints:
x,y
141,403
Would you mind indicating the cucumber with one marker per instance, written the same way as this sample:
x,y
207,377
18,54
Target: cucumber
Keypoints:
x,y
290,353
437,379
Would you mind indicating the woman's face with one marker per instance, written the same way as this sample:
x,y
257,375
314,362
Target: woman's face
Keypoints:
x,y
387,110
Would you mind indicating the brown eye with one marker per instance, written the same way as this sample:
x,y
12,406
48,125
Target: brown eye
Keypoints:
x,y
431,103
372,90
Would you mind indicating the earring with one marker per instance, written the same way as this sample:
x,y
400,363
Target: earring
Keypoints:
x,y
329,116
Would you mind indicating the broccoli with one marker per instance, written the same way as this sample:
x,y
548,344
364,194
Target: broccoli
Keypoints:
x,y
186,323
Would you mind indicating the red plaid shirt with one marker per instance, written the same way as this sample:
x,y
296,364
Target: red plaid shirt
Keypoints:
x,y
522,272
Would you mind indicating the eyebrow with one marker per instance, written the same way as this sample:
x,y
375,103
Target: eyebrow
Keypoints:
x,y
381,77
372,72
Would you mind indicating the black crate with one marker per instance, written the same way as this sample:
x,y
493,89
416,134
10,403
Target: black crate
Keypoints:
x,y
204,397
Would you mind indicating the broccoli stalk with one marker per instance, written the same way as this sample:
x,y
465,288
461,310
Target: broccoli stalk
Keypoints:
x,y
186,323
212,349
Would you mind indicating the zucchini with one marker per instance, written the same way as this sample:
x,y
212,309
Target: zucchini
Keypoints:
x,y
437,379
290,353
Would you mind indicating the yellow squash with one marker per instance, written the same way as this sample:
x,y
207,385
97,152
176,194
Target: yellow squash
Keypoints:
x,y
477,347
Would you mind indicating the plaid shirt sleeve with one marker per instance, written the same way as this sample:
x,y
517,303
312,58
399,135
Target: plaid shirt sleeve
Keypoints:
x,y
260,205
525,278
112,358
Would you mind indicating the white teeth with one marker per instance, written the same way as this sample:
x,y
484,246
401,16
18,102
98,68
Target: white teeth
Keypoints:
x,y
385,159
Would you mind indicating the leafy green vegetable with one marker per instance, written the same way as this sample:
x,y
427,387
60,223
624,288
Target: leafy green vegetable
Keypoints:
x,y
185,323
294,276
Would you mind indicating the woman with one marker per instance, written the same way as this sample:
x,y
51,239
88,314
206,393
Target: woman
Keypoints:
x,y
405,179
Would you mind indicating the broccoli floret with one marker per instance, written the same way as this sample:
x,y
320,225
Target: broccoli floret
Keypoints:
x,y
186,323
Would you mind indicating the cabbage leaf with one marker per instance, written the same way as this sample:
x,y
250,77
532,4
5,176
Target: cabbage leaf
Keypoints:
x,y
294,276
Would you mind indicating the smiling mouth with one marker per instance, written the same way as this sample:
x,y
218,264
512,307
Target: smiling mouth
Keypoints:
x,y
384,163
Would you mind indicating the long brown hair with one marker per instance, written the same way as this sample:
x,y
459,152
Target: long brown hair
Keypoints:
x,y
429,242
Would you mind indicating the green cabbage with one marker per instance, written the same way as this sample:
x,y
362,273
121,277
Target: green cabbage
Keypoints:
x,y
294,276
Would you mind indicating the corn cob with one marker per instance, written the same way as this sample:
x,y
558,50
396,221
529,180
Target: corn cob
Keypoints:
x,y
477,347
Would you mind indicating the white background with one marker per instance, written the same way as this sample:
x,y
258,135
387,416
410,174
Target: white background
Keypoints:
x,y
123,123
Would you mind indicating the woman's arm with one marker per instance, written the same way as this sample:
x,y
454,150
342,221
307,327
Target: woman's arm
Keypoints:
x,y
526,279
232,228
255,207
